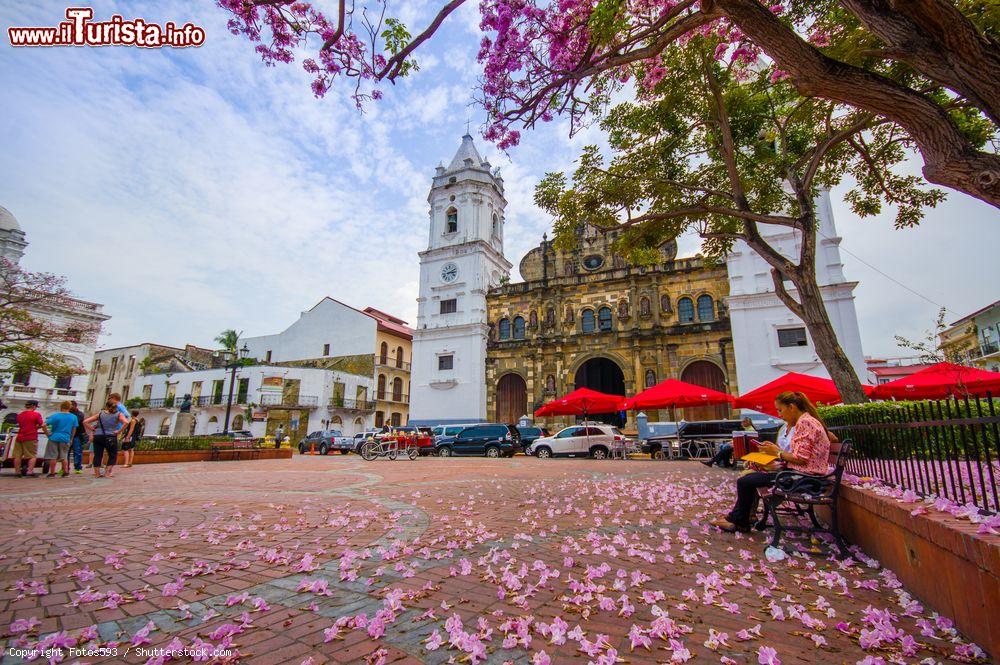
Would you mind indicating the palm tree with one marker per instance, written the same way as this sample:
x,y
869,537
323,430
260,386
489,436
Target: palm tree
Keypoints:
x,y
229,339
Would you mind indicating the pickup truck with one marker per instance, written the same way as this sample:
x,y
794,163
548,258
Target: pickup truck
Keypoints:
x,y
325,441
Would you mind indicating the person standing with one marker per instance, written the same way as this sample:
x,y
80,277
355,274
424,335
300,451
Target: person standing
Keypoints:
x,y
62,430
279,436
29,422
136,428
102,428
76,446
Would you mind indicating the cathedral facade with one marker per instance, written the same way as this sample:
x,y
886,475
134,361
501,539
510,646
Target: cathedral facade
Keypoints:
x,y
587,318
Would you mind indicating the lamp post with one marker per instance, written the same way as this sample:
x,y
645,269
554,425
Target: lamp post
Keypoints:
x,y
236,363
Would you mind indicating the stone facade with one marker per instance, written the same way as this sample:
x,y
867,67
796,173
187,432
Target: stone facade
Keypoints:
x,y
550,332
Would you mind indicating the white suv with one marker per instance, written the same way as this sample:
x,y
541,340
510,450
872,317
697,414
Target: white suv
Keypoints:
x,y
595,441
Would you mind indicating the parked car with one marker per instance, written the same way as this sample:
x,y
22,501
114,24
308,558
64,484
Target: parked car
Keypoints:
x,y
594,441
531,434
489,439
663,432
243,435
325,441
450,431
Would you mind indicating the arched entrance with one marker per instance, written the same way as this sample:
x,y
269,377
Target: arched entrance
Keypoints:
x,y
708,375
512,398
605,376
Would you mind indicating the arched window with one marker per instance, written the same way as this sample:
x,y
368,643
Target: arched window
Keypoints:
x,y
383,354
397,390
644,306
665,304
604,319
588,320
518,327
650,378
496,225
381,386
504,328
165,426
706,309
336,421
685,310
237,422
399,356
452,221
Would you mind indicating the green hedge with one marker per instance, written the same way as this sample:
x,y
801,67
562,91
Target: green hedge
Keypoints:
x,y
180,442
931,441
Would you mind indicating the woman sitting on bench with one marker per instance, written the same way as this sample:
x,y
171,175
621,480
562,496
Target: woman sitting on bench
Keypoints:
x,y
810,448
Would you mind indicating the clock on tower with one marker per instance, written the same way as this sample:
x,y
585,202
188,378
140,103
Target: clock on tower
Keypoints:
x,y
449,272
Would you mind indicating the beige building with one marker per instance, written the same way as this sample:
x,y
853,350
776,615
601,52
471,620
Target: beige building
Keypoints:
x,y
586,318
393,358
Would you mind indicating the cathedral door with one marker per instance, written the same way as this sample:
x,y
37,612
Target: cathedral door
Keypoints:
x,y
605,376
512,399
708,375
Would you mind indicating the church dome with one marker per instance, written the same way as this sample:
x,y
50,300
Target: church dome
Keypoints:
x,y
8,222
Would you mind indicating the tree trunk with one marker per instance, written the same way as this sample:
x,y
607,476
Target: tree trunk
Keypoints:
x,y
949,158
812,310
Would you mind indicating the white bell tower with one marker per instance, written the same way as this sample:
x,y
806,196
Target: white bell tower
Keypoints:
x,y
463,260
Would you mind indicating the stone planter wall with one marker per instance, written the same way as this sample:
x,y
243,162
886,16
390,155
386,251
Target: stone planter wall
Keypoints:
x,y
939,558
173,456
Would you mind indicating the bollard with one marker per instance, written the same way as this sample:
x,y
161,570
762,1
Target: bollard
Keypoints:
x,y
312,448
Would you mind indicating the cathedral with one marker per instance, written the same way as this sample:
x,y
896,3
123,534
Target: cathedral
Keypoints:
x,y
486,348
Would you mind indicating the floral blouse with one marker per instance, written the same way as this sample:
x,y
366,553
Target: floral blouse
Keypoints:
x,y
810,442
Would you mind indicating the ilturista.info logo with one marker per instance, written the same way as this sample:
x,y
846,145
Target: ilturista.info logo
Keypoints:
x,y
80,29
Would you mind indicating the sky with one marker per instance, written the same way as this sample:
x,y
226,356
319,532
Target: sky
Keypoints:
x,y
195,190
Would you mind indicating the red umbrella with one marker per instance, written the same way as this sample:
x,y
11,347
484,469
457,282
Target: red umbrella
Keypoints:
x,y
941,380
816,388
581,402
672,393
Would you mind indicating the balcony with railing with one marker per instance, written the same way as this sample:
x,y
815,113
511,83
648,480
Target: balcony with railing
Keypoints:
x,y
41,394
290,401
988,348
399,398
337,402
392,363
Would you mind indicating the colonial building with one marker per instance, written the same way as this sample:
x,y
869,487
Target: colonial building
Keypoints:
x,y
587,318
17,388
336,367
119,370
463,260
974,339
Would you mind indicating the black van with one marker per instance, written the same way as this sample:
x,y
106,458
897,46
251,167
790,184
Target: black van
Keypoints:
x,y
485,439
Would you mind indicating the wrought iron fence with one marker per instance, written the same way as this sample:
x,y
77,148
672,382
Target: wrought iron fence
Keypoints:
x,y
947,448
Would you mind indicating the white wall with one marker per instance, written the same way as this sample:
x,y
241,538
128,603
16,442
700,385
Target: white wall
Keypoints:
x,y
756,313
347,331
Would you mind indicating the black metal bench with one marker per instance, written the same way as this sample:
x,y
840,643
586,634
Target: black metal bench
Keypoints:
x,y
236,449
796,495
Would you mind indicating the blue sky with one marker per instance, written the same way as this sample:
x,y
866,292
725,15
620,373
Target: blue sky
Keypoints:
x,y
196,190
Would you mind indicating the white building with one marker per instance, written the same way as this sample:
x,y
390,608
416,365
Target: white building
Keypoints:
x,y
16,389
463,259
299,399
768,340
336,367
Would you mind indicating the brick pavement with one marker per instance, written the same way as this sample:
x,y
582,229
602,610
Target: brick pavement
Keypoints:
x,y
331,559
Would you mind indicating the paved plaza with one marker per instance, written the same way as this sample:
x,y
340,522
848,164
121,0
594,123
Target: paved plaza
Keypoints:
x,y
332,559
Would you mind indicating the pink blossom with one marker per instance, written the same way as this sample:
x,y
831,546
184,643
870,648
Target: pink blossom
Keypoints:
x,y
767,656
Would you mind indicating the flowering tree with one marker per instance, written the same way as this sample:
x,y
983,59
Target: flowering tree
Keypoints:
x,y
929,66
32,335
733,154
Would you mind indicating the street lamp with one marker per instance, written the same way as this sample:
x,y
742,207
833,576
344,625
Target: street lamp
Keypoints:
x,y
237,362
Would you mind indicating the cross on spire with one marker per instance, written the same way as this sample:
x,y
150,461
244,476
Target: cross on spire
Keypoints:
x,y
468,122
